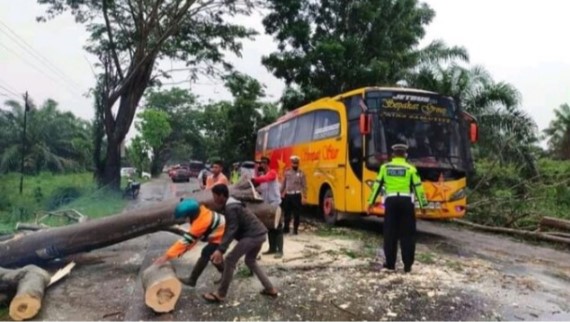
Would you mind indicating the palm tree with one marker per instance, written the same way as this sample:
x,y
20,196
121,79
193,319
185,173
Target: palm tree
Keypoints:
x,y
507,131
56,141
558,133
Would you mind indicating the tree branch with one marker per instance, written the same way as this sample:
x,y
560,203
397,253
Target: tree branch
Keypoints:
x,y
111,41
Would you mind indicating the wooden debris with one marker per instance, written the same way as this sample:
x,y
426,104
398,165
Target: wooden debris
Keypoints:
x,y
30,283
516,232
162,288
554,223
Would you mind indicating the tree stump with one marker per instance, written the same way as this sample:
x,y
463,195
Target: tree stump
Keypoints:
x,y
161,287
30,282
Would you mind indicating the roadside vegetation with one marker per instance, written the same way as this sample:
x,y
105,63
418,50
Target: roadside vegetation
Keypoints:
x,y
51,192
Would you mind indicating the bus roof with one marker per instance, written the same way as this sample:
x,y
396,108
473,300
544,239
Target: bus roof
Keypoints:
x,y
338,97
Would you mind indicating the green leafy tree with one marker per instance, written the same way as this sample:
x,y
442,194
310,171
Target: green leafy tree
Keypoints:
x,y
330,46
154,127
137,154
558,133
184,114
55,141
129,37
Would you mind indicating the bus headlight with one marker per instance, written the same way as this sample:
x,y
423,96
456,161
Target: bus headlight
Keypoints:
x,y
459,194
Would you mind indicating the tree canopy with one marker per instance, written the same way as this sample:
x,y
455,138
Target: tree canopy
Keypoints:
x,y
331,46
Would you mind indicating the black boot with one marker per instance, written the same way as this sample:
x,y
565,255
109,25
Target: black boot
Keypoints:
x,y
199,267
279,244
272,247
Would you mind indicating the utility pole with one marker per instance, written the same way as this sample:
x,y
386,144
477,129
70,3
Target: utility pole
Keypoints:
x,y
26,109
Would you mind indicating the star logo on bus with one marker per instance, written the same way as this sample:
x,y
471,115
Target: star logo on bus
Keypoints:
x,y
440,189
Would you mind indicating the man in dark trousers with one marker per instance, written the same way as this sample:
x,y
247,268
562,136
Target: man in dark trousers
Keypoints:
x,y
243,226
400,180
294,192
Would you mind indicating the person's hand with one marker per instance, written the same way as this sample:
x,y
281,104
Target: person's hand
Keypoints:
x,y
303,201
369,210
217,257
160,261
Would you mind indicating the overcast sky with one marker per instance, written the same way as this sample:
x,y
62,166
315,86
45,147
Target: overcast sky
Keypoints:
x,y
521,42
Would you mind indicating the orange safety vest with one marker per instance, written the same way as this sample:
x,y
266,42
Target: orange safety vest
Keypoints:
x,y
208,226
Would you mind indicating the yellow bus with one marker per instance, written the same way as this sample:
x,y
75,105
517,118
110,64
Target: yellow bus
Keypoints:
x,y
343,140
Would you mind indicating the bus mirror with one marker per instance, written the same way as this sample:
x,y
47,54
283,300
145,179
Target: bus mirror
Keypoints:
x,y
364,124
473,133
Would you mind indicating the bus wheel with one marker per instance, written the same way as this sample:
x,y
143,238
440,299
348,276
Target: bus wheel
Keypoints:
x,y
328,209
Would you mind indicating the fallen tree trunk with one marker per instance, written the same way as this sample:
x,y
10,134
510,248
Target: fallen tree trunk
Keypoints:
x,y
516,232
555,223
48,244
30,282
161,288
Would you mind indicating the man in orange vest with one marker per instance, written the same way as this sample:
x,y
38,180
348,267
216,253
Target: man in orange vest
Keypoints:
x,y
205,225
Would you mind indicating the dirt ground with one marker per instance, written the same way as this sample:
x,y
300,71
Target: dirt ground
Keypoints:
x,y
331,274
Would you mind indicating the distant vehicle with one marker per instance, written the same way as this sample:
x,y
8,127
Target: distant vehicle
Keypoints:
x,y
181,174
172,170
145,175
247,169
128,172
195,168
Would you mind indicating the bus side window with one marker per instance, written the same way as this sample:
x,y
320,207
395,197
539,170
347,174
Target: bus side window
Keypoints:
x,y
304,128
288,132
327,125
274,138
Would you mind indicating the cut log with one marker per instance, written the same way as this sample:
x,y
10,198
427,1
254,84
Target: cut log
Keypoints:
x,y
516,232
33,227
58,242
30,282
555,223
161,288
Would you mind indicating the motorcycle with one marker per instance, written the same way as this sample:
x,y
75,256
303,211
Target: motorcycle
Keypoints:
x,y
132,190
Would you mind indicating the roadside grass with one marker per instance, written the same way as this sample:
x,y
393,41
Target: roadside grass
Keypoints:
x,y
51,192
4,312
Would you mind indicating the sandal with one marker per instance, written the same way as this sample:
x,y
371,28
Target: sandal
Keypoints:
x,y
213,298
271,293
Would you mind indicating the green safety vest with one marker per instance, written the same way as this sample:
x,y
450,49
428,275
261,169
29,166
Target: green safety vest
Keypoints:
x,y
398,176
234,177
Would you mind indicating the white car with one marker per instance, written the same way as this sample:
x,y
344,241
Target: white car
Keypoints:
x,y
145,175
128,172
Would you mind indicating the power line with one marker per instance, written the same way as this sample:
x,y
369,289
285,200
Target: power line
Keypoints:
x,y
8,91
8,88
31,51
36,68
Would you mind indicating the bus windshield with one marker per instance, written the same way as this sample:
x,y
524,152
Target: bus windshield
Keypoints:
x,y
428,124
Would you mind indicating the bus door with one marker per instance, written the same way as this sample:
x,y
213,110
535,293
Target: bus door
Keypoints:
x,y
354,192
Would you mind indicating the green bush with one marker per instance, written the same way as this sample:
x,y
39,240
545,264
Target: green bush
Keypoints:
x,y
500,195
62,196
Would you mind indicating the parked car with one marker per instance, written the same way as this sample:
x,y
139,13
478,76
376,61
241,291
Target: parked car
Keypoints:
x,y
181,174
128,172
145,175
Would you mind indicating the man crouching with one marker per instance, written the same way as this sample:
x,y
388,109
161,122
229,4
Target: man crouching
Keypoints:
x,y
243,226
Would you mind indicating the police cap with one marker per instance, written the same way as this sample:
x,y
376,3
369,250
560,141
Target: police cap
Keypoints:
x,y
399,147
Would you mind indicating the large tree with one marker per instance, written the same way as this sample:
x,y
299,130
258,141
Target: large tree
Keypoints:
x,y
330,46
558,133
129,37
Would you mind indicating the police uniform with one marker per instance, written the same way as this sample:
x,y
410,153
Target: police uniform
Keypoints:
x,y
294,187
400,180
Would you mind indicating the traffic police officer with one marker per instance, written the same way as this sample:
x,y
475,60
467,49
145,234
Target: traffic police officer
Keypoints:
x,y
294,191
400,179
